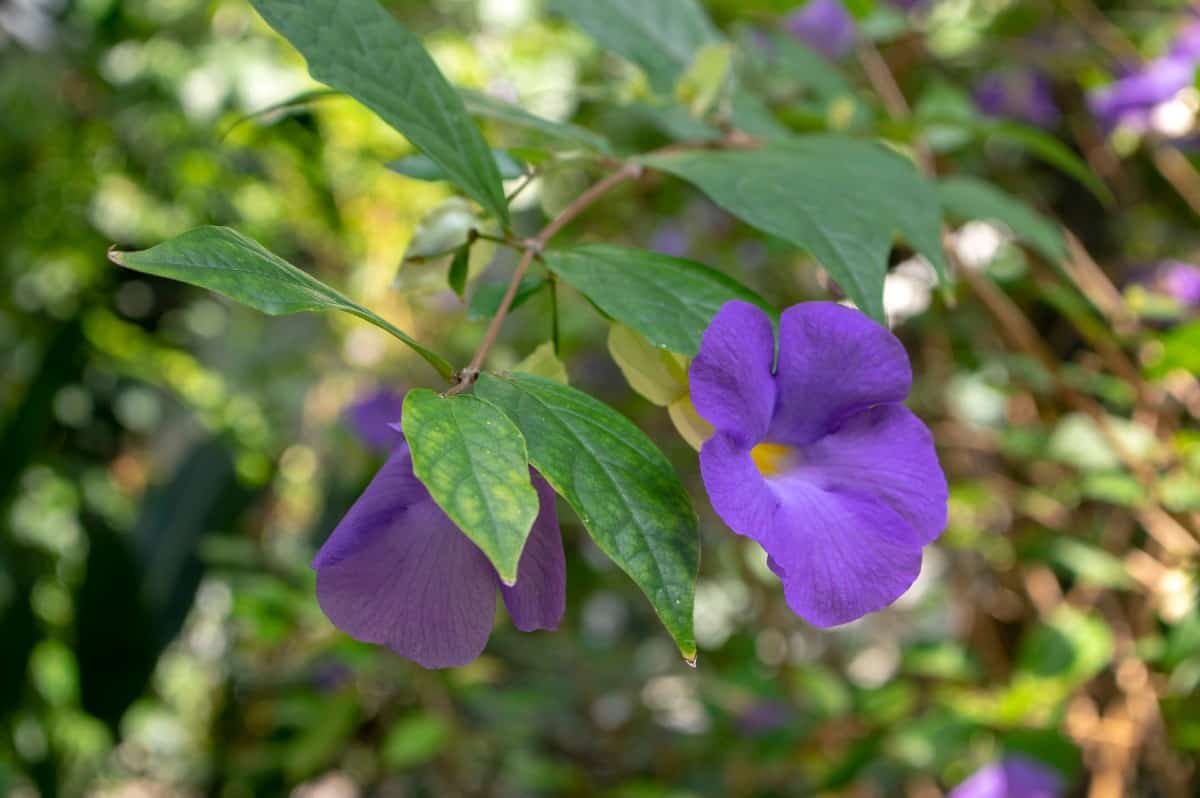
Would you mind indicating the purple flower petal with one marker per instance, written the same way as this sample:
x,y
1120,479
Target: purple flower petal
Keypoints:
x,y
1181,282
400,573
889,449
833,362
397,571
838,554
1022,94
1133,96
731,380
1011,777
824,25
737,491
539,597
371,416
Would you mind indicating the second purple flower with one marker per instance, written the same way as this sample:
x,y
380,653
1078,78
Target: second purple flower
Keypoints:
x,y
815,457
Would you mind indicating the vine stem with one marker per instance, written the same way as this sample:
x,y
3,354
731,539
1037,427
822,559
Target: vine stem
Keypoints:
x,y
533,248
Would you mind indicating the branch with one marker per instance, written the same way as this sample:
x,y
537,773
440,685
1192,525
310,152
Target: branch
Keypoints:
x,y
532,249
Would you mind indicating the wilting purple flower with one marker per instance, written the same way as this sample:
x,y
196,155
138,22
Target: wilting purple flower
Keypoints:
x,y
815,457
1011,777
1023,94
372,415
398,572
1130,100
824,25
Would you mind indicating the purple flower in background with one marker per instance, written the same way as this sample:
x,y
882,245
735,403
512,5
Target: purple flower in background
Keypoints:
x,y
817,458
1025,95
1171,278
670,239
397,571
372,415
824,25
1130,100
1181,282
1011,777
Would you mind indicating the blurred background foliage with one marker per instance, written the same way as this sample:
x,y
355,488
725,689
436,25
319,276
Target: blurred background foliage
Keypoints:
x,y
170,462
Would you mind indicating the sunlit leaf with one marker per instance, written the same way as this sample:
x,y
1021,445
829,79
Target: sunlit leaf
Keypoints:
x,y
357,47
542,362
620,485
225,261
473,461
655,373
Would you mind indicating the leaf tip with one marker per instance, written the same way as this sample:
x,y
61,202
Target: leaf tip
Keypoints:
x,y
690,658
115,255
509,581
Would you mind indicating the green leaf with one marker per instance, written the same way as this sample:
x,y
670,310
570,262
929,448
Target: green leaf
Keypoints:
x,y
968,198
1180,352
1049,149
620,485
487,297
488,107
414,740
225,261
457,276
841,199
706,78
357,47
1090,564
658,375
789,58
661,37
422,167
669,300
1065,652
542,362
473,461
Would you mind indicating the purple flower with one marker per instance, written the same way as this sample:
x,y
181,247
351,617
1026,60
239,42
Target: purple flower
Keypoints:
x,y
1181,282
670,239
824,25
1130,100
398,572
1023,94
816,458
372,415
1011,777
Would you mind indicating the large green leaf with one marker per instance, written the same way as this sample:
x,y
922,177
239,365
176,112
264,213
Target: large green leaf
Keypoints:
x,y
968,198
489,107
668,300
357,47
473,461
842,199
225,261
661,36
620,485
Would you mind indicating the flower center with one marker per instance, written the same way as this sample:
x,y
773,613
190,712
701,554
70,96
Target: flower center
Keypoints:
x,y
772,459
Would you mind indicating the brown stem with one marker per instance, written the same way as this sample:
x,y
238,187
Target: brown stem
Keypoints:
x,y
532,249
